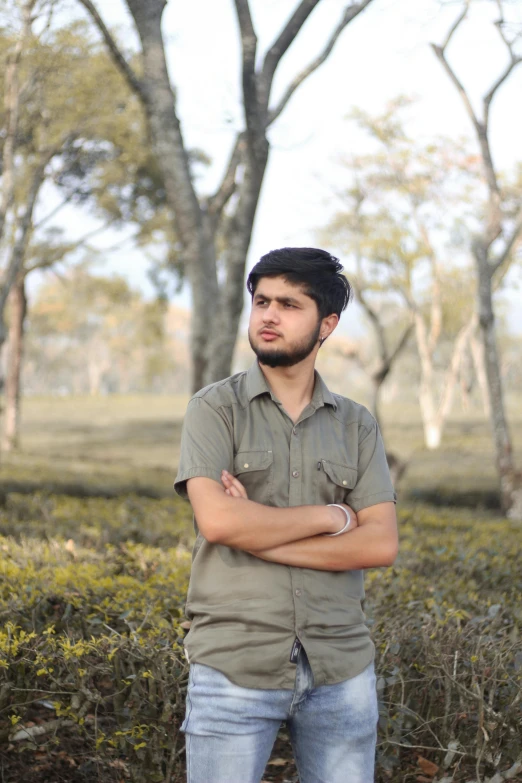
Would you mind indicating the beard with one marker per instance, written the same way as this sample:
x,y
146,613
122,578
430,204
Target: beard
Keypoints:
x,y
295,354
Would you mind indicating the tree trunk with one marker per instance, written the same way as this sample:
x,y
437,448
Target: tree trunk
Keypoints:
x,y
432,430
477,352
192,227
18,302
223,340
452,374
509,500
216,312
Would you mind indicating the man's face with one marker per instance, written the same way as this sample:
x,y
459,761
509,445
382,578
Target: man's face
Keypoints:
x,y
284,323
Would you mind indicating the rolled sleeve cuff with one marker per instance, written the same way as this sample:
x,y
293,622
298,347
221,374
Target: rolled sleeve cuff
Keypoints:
x,y
371,500
180,484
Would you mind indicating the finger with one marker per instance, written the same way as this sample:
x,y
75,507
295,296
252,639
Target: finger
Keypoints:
x,y
232,481
237,485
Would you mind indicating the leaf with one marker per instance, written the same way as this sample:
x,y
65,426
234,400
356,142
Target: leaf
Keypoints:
x,y
428,767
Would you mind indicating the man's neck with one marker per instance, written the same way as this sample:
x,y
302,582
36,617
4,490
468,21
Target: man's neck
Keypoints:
x,y
293,386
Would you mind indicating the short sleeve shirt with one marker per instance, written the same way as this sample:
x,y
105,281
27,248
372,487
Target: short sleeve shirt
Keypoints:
x,y
247,612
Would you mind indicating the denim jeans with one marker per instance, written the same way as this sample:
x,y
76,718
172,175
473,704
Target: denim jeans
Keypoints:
x,y
230,731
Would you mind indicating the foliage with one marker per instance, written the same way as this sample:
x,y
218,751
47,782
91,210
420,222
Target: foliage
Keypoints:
x,y
408,207
93,333
91,643
446,620
91,625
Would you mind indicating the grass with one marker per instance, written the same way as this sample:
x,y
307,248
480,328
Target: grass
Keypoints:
x,y
131,444
95,559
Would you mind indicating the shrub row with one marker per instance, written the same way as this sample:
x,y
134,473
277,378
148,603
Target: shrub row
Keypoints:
x,y
92,665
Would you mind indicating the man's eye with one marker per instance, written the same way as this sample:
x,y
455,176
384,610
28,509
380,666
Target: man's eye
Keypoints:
x,y
287,304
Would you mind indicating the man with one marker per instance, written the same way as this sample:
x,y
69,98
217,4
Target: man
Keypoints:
x,y
275,466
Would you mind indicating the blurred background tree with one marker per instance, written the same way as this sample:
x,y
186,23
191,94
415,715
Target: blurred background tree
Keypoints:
x,y
81,130
215,230
496,238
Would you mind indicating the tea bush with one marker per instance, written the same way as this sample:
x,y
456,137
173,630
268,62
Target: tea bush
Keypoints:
x,y
446,620
92,671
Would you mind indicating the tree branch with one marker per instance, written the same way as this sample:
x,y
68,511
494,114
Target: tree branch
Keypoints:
x,y
494,218
117,56
17,254
282,43
218,201
510,244
502,78
57,209
67,247
373,316
455,25
350,13
401,344
12,95
255,129
439,51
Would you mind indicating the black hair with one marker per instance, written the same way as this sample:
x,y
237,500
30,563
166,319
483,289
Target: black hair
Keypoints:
x,y
317,271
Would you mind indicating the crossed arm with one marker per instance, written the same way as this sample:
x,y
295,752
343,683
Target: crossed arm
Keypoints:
x,y
294,536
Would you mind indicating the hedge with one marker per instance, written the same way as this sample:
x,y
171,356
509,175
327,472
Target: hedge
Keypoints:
x,y
92,672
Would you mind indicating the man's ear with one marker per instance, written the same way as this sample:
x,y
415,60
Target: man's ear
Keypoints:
x,y
328,325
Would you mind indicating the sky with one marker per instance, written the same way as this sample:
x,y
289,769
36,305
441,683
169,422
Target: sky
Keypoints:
x,y
383,53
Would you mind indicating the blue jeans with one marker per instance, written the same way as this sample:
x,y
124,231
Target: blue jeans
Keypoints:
x,y
230,731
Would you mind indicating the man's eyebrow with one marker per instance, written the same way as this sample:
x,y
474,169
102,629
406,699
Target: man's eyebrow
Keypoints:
x,y
280,299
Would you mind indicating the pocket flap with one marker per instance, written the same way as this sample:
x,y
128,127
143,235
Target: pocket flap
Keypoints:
x,y
248,461
342,475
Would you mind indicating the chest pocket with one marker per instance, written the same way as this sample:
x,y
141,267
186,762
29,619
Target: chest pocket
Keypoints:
x,y
335,480
255,470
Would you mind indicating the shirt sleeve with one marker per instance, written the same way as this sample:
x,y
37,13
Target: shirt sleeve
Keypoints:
x,y
374,484
206,445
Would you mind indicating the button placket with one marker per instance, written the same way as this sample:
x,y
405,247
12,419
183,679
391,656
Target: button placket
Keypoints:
x,y
295,498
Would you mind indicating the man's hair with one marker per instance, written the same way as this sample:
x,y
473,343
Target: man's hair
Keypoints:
x,y
317,271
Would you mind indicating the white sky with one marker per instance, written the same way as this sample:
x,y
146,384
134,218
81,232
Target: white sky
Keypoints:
x,y
383,53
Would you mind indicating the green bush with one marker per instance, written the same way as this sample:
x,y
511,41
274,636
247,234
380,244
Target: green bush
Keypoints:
x,y
92,666
446,621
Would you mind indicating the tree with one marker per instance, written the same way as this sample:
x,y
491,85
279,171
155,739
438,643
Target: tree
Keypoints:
x,y
224,219
398,228
70,136
12,95
92,334
492,245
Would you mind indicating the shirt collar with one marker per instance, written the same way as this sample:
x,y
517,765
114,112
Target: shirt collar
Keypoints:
x,y
257,384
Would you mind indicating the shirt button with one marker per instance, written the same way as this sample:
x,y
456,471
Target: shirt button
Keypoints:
x,y
295,474
344,482
246,466
298,592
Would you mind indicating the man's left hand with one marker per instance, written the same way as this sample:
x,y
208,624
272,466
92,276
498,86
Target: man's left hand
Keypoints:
x,y
233,486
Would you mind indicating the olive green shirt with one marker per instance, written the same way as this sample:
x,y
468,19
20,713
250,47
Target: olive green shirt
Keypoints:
x,y
246,612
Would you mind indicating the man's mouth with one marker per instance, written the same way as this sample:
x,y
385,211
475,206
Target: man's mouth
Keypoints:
x,y
268,335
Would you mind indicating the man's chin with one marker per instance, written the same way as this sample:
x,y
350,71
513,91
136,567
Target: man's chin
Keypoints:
x,y
274,358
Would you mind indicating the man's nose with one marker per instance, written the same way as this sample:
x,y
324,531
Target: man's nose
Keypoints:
x,y
271,314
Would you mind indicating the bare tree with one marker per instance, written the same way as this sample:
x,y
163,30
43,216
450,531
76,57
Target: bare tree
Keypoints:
x,y
201,222
492,247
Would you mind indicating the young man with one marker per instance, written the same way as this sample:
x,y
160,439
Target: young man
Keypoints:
x,y
275,466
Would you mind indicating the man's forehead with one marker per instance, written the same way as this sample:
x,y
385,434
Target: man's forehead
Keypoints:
x,y
279,286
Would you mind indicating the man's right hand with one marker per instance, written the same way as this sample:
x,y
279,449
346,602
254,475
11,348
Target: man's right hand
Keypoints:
x,y
235,489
